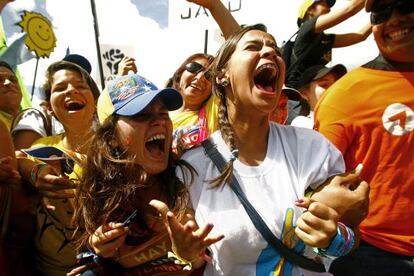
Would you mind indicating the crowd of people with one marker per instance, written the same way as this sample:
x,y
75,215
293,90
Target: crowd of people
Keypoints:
x,y
205,176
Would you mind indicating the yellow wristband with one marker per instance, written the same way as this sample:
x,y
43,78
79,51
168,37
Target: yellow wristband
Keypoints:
x,y
180,261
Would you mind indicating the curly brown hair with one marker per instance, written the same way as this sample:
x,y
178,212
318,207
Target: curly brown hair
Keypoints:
x,y
111,184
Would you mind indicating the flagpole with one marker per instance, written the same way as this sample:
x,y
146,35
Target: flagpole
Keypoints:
x,y
98,49
34,79
205,41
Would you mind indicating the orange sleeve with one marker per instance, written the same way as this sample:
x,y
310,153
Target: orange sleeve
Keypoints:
x,y
333,124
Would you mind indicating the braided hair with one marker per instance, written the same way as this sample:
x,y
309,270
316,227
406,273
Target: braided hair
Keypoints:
x,y
226,128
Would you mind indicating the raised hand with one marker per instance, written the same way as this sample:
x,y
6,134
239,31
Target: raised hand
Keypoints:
x,y
125,65
227,23
317,226
107,239
188,240
204,3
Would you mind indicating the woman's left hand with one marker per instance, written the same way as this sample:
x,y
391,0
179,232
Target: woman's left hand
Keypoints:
x,y
188,240
317,225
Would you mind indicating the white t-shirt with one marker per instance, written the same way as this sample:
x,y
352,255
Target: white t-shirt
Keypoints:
x,y
304,121
32,120
296,159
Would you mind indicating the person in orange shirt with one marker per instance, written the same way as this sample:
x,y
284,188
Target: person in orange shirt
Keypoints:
x,y
369,115
281,112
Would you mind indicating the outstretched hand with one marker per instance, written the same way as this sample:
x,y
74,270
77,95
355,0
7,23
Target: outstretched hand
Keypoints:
x,y
188,240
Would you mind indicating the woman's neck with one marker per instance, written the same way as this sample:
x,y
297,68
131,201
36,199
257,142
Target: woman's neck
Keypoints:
x,y
190,107
251,135
76,141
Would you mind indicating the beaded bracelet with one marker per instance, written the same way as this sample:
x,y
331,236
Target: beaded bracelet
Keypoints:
x,y
341,244
34,173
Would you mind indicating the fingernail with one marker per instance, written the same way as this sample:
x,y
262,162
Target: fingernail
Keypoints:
x,y
299,201
359,168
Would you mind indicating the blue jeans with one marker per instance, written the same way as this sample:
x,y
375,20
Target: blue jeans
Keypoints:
x,y
369,260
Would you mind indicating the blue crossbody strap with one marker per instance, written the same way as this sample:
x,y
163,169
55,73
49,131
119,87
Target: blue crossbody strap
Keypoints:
x,y
258,222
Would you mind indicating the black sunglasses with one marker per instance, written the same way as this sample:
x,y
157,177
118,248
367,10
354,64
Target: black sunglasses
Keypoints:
x,y
382,13
195,68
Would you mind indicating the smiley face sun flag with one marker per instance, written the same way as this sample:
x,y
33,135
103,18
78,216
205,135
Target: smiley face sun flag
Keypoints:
x,y
40,36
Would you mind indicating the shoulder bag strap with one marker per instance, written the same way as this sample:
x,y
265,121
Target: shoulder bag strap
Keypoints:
x,y
257,220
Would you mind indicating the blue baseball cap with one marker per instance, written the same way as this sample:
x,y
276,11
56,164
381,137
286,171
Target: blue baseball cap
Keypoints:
x,y
79,60
129,95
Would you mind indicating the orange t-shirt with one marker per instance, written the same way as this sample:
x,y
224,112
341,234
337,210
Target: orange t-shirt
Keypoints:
x,y
369,115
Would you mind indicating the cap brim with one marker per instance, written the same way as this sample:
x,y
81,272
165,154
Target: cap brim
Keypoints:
x,y
169,96
292,94
330,3
338,68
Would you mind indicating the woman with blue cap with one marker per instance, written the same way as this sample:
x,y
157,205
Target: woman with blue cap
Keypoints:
x,y
129,164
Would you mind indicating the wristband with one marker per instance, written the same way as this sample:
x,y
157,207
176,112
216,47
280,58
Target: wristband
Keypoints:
x,y
34,173
188,265
341,244
180,261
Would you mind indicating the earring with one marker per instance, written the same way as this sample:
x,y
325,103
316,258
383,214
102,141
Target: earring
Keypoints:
x,y
224,82
127,141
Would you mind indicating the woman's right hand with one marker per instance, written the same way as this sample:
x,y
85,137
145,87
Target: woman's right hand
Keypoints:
x,y
188,240
107,239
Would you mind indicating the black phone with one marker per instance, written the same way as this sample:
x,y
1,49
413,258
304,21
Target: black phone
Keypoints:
x,y
130,218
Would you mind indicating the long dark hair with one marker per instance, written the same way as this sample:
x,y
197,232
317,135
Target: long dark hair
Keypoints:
x,y
220,62
111,184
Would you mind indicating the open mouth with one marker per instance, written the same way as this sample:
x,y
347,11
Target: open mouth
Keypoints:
x,y
74,105
265,77
195,86
156,145
399,34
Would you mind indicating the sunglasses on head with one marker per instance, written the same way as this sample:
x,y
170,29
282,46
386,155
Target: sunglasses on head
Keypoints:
x,y
195,68
382,13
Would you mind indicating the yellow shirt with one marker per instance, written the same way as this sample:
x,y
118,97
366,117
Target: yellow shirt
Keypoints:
x,y
55,254
6,118
186,125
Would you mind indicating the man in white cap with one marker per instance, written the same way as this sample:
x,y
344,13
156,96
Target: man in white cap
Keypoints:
x,y
369,115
